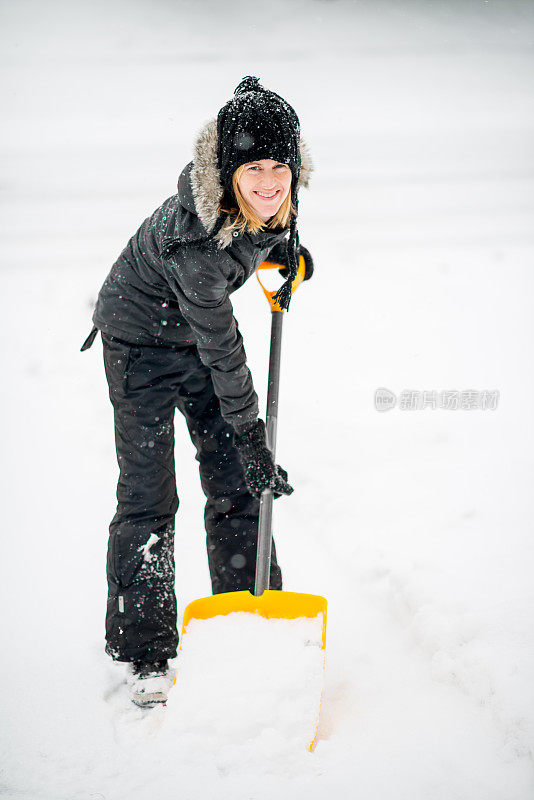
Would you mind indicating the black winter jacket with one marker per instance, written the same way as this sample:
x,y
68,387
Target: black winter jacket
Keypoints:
x,y
154,297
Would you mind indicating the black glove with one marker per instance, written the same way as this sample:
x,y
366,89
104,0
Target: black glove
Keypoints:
x,y
260,470
278,255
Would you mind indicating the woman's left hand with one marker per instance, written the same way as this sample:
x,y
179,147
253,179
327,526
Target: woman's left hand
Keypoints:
x,y
278,256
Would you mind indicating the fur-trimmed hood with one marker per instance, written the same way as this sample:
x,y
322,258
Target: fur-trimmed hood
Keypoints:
x,y
206,186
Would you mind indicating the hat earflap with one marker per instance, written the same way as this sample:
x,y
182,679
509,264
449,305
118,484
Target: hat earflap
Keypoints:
x,y
284,294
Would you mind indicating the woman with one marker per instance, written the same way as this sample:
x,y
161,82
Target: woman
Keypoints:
x,y
171,341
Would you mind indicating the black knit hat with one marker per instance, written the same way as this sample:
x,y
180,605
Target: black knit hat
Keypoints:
x,y
256,124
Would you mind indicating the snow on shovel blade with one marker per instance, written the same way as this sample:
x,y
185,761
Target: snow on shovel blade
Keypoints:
x,y
249,664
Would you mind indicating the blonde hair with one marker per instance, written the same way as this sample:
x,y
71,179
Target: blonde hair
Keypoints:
x,y
246,219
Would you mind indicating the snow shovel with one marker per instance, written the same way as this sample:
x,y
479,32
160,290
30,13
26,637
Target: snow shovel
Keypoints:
x,y
293,607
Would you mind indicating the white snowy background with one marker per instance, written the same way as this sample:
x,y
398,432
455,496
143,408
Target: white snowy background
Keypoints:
x,y
416,525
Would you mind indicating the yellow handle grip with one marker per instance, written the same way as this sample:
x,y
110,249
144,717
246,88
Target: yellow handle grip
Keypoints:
x,y
294,286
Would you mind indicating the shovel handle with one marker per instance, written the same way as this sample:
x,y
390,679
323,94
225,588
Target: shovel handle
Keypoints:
x,y
275,306
265,535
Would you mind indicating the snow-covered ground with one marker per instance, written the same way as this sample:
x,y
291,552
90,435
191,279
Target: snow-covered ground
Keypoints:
x,y
415,524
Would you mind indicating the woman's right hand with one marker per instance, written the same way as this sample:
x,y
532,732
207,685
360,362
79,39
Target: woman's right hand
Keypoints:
x,y
260,470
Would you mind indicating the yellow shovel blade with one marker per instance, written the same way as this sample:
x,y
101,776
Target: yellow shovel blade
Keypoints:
x,y
271,604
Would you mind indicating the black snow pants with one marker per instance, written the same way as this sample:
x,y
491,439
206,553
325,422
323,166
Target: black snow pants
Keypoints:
x,y
146,385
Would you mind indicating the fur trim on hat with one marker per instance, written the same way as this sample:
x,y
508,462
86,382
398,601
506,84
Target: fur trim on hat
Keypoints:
x,y
206,186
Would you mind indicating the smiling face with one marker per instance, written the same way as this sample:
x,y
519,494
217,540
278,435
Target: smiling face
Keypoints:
x,y
265,185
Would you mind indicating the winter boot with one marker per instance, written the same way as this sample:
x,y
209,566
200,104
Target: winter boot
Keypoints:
x,y
149,684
